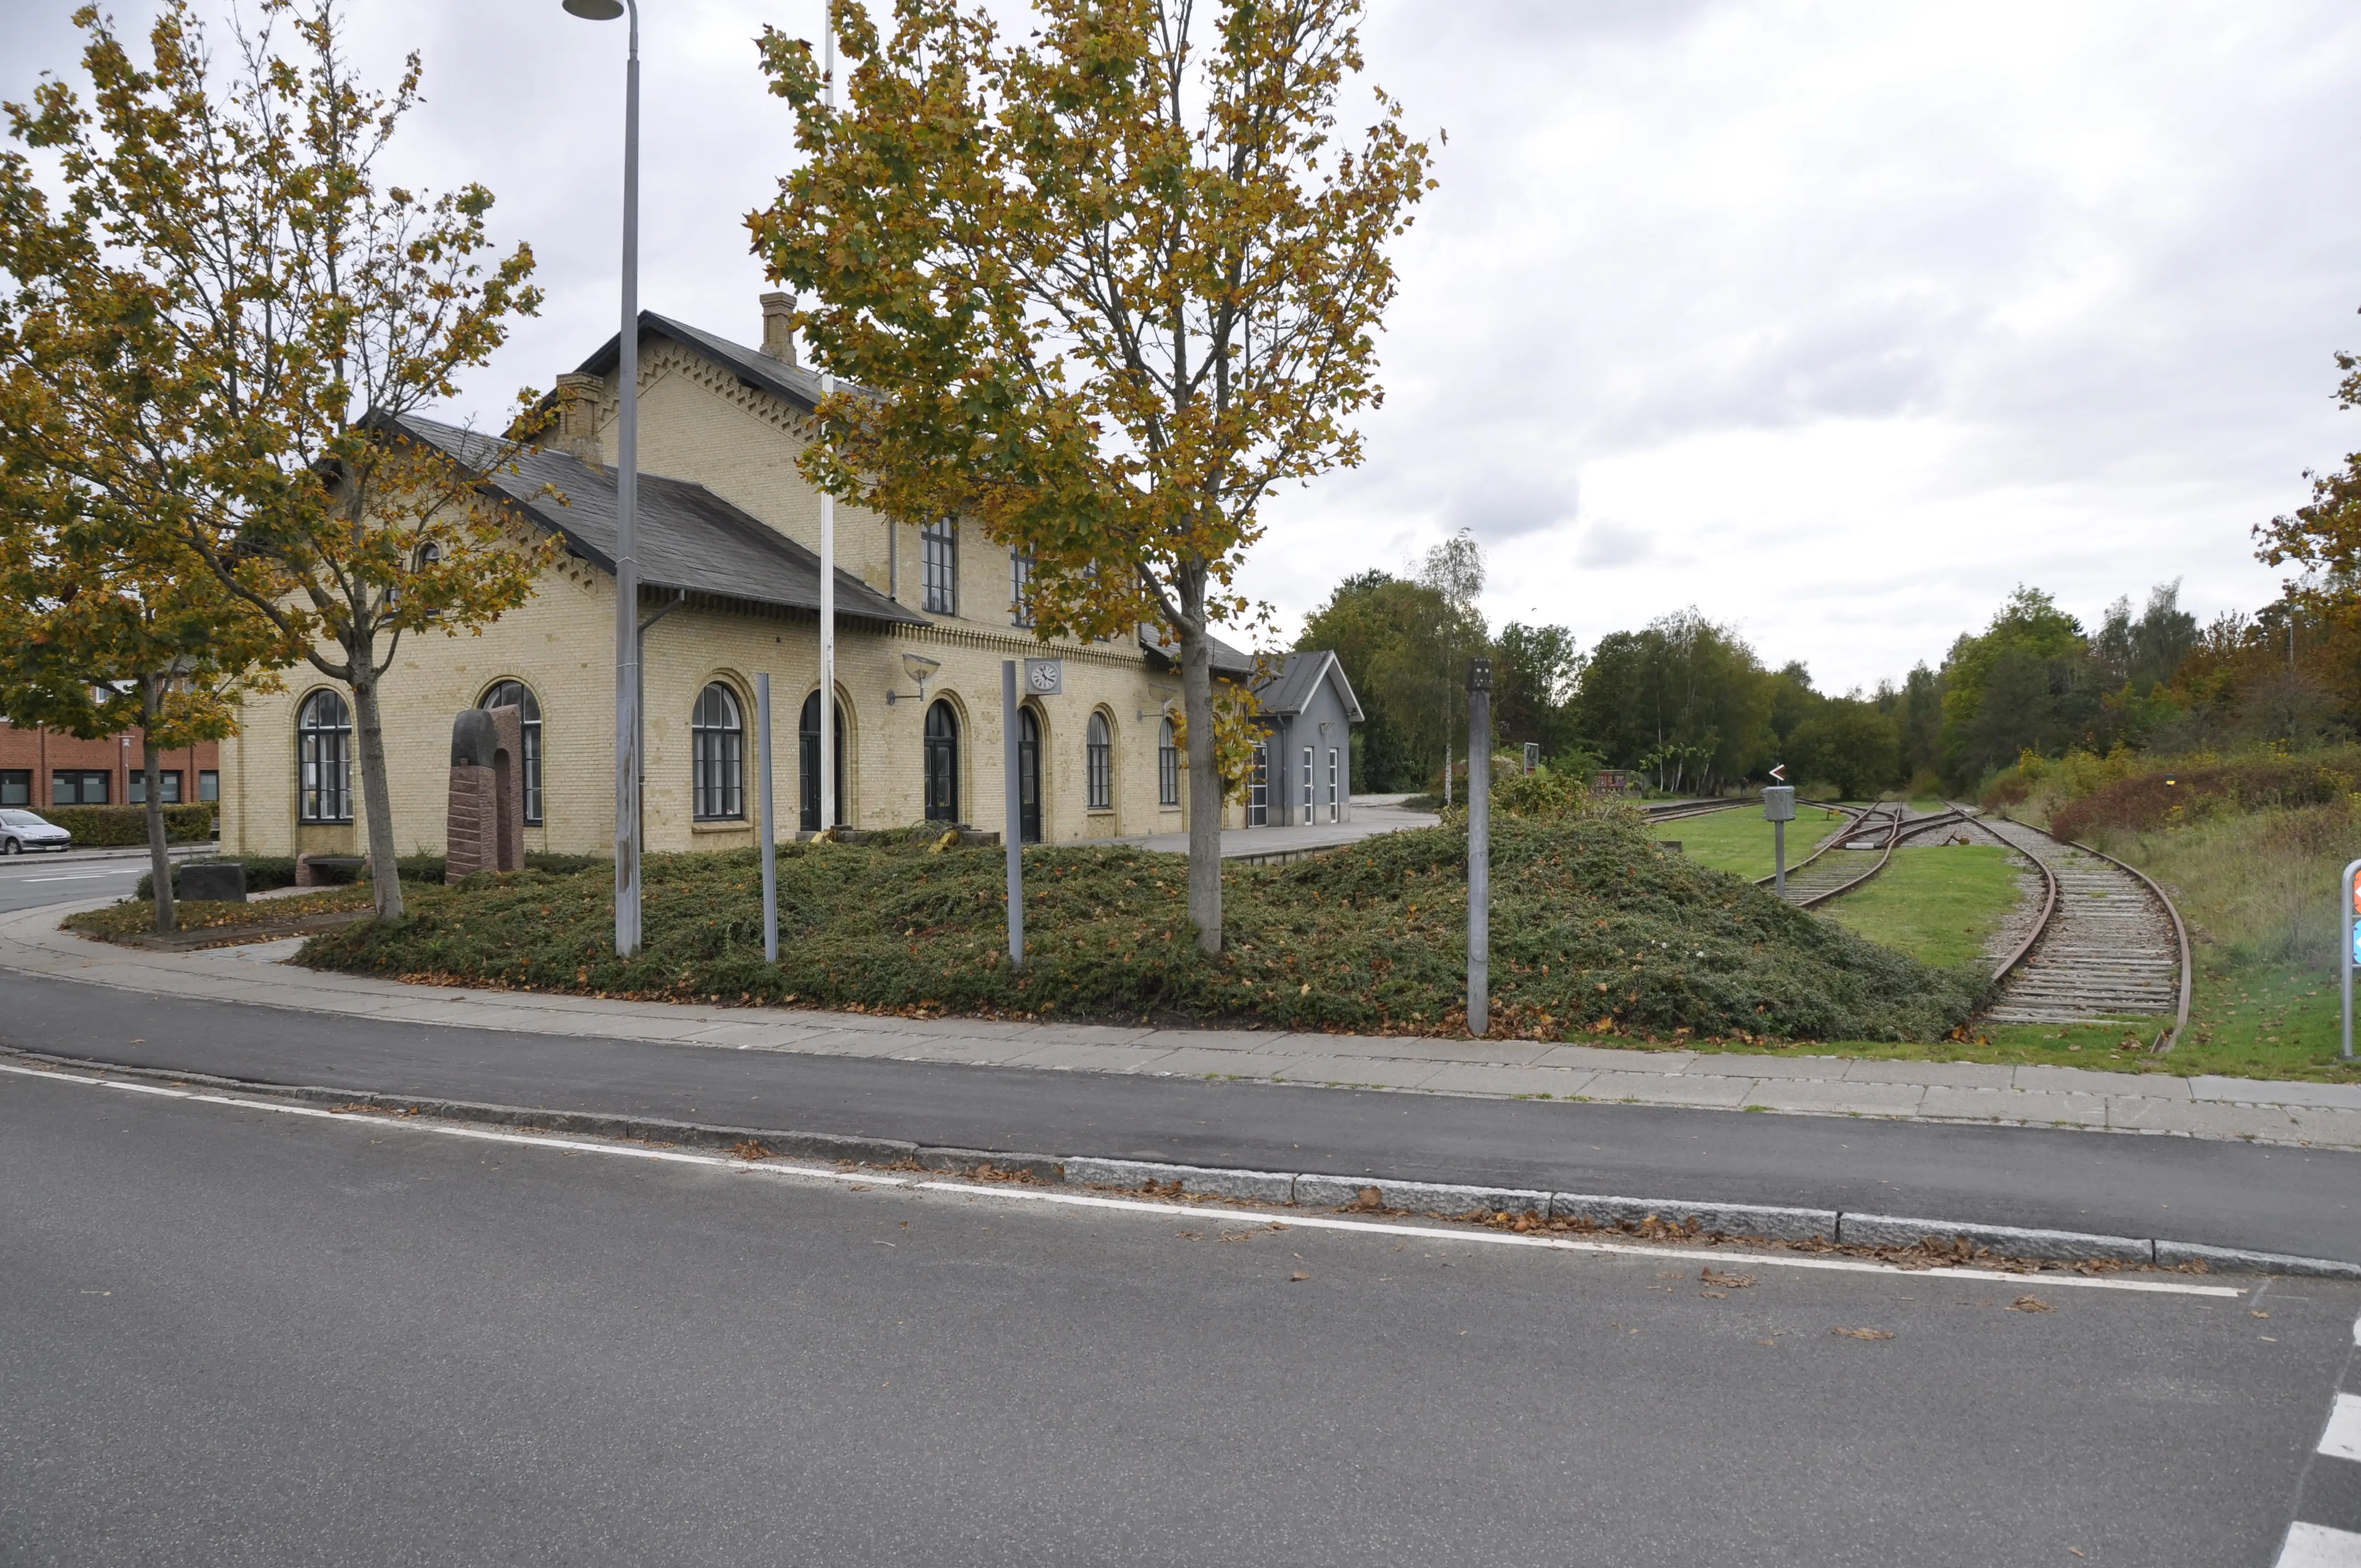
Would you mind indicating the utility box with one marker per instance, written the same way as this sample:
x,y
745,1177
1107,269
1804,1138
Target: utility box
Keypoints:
x,y
1779,803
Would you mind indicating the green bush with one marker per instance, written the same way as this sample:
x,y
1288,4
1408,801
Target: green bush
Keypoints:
x,y
123,826
1593,925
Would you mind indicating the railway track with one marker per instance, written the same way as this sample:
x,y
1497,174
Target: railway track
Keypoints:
x,y
1836,869
2108,945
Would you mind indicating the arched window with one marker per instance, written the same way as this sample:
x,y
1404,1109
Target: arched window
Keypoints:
x,y
717,738
942,763
1167,766
323,758
807,752
939,566
1099,751
518,695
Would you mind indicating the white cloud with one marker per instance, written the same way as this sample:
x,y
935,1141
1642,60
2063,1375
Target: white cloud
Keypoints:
x,y
1834,321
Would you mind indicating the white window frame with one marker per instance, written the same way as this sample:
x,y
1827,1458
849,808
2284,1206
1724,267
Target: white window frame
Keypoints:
x,y
939,568
1331,783
1306,817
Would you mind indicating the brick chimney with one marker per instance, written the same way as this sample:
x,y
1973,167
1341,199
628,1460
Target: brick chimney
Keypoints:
x,y
778,337
577,418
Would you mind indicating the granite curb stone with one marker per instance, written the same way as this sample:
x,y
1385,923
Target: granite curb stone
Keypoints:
x,y
1419,1197
2236,1260
1258,1186
2053,1247
1770,1222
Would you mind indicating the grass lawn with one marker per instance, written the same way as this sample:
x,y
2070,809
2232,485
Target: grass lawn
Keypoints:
x,y
1739,841
1938,903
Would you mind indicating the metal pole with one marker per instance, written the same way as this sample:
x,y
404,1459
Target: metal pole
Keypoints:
x,y
1779,857
2349,896
627,506
827,737
1479,845
770,826
1015,834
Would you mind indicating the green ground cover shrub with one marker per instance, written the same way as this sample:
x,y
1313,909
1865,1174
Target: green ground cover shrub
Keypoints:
x,y
123,827
1595,931
135,917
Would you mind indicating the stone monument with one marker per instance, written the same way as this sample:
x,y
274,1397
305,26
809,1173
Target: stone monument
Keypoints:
x,y
486,829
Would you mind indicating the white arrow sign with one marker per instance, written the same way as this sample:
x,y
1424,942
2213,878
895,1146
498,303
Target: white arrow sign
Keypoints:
x,y
1780,773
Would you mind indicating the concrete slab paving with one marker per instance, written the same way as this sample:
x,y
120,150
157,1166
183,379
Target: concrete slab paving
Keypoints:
x,y
1671,1088
2258,1091
1355,1070
1837,1097
1552,1082
1933,1074
1599,1058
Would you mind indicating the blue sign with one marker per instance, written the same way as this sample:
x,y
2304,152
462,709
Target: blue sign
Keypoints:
x,y
2356,944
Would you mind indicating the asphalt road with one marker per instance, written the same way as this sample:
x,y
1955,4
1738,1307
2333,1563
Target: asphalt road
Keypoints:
x,y
26,881
2222,1193
239,1337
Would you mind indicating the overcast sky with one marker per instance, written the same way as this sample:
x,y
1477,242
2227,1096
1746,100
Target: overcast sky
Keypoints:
x,y
1833,320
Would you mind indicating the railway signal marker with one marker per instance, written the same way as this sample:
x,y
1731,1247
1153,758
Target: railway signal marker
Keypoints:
x,y
1779,772
2348,901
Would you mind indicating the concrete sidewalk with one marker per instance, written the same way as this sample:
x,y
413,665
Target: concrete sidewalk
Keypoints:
x,y
2319,1116
1370,818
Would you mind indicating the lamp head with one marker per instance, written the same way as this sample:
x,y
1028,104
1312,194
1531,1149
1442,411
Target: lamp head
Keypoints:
x,y
595,10
920,668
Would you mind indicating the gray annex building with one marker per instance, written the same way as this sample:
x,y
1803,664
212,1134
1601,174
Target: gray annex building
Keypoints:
x,y
1303,770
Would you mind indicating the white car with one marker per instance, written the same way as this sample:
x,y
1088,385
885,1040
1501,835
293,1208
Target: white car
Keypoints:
x,y
23,831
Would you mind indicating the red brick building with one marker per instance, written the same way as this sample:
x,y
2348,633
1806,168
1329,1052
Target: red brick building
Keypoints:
x,y
41,767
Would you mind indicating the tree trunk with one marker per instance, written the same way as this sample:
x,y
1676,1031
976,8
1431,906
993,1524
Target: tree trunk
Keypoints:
x,y
376,809
159,863
1204,789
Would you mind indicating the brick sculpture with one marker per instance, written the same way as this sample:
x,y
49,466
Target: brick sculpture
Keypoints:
x,y
486,831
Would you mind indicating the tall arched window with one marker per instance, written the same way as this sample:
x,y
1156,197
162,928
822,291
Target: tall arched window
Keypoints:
x,y
942,763
1099,751
323,758
518,695
717,740
1029,777
808,756
1167,766
939,566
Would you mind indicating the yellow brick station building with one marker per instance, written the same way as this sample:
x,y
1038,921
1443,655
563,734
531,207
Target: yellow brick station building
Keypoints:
x,y
727,533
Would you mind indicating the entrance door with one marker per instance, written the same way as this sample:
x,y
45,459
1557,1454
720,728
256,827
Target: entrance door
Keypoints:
x,y
1029,777
808,749
1259,787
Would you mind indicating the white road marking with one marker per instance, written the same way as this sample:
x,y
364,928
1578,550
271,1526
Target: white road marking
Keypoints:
x,y
78,876
2343,1438
1018,1194
2317,1546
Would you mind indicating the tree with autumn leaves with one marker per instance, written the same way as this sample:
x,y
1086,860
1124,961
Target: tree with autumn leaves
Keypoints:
x,y
1101,290
207,338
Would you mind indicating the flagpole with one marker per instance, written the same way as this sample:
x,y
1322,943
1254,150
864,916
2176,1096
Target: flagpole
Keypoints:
x,y
828,736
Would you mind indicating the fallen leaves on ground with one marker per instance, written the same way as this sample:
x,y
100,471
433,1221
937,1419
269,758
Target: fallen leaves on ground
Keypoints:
x,y
2030,1304
1725,1279
1863,1334
750,1149
1297,1278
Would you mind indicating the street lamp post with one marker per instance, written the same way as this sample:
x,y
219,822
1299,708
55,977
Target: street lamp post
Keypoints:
x,y
627,502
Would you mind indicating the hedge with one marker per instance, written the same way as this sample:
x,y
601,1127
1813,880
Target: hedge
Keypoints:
x,y
126,826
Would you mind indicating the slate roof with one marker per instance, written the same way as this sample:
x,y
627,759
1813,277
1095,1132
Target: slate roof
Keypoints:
x,y
1291,690
791,382
1228,660
689,538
